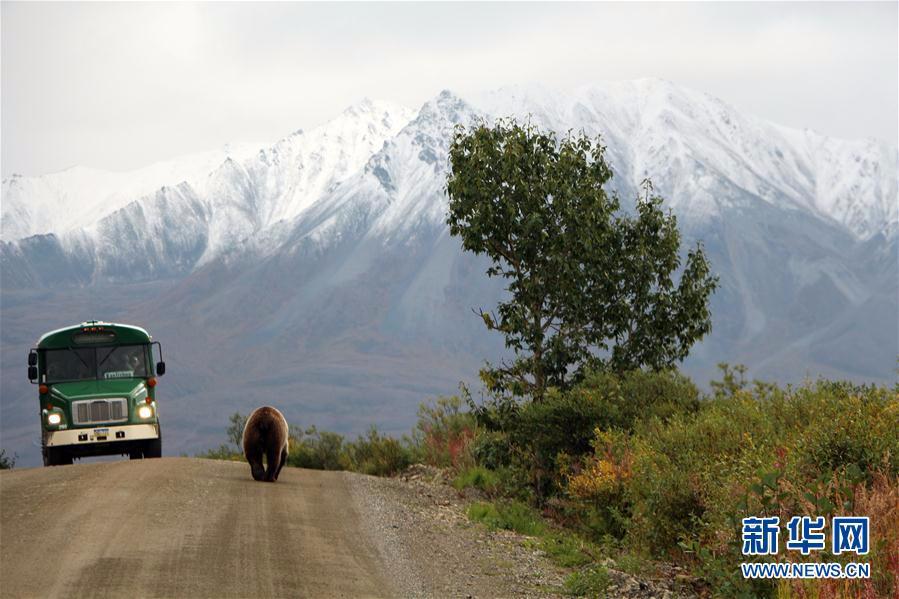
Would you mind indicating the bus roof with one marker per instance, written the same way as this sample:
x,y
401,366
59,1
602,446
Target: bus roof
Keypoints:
x,y
123,333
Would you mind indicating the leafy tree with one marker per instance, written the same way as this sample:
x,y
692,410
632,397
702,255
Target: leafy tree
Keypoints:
x,y
590,285
236,424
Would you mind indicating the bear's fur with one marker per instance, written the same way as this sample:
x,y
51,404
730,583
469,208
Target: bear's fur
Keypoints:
x,y
265,434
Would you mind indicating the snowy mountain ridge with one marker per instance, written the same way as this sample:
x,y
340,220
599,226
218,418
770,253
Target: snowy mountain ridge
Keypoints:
x,y
80,196
679,137
388,161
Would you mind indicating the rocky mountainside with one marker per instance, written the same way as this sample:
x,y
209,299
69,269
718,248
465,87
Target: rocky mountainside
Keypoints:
x,y
319,269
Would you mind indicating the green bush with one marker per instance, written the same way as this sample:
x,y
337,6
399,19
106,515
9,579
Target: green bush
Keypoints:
x,y
491,449
484,512
646,395
373,453
511,466
229,451
851,426
315,449
477,477
589,582
564,422
512,515
561,423
564,549
376,454
222,452
635,564
7,462
681,468
733,379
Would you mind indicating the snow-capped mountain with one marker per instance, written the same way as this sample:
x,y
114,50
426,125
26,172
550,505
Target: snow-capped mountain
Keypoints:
x,y
78,197
688,141
691,144
327,255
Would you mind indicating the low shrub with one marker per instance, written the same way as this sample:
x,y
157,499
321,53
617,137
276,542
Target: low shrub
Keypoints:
x,y
633,563
512,515
600,480
565,549
315,449
638,396
852,425
588,582
7,462
443,433
222,452
477,477
484,512
491,449
376,454
563,424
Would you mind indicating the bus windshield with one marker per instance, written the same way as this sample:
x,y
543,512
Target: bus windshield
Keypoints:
x,y
91,363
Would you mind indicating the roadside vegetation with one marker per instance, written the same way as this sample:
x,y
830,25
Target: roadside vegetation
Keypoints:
x,y
644,469
7,462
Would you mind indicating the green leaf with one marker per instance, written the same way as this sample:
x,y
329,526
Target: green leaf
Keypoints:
x,y
769,479
855,473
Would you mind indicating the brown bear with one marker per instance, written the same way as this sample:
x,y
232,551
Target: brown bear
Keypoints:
x,y
265,434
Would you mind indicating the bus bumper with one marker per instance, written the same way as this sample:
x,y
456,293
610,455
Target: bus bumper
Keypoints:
x,y
102,434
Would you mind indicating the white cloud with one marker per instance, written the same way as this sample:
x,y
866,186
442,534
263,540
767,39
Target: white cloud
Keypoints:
x,y
121,85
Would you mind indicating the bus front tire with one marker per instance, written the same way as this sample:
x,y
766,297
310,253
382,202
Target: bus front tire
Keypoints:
x,y
150,449
57,456
153,449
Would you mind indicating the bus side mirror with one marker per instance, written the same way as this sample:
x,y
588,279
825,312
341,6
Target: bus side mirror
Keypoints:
x,y
32,373
160,368
32,358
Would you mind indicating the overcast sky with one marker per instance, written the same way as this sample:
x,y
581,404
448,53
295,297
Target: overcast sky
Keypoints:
x,y
118,86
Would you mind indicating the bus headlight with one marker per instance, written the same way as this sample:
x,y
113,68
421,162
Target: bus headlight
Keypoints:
x,y
54,418
145,412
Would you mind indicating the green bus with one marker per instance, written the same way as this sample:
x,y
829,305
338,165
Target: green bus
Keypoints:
x,y
97,392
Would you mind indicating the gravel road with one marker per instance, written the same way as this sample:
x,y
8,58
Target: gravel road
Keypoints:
x,y
181,527
185,527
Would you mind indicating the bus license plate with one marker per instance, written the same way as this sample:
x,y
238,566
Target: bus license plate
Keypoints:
x,y
100,434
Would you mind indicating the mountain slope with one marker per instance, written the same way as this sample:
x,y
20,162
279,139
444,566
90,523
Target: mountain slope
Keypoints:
x,y
688,142
79,196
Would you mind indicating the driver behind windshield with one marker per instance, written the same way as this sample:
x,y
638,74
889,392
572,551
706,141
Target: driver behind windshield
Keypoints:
x,y
134,361
124,362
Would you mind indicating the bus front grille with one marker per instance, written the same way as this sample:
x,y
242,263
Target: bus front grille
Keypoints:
x,y
100,410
